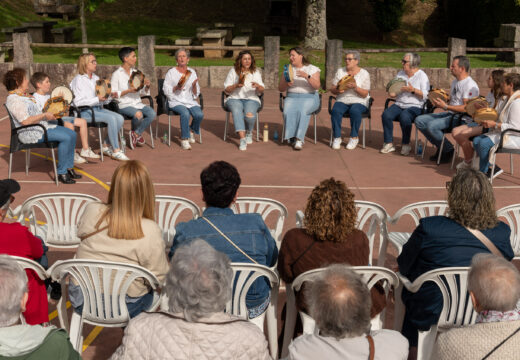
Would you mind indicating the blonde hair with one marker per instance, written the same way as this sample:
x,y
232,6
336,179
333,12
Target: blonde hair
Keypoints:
x,y
83,62
131,198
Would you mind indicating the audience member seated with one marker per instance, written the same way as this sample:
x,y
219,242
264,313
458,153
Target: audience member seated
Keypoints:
x,y
244,238
408,104
353,101
302,97
17,240
448,241
181,87
494,286
28,342
339,302
509,119
124,230
198,286
24,109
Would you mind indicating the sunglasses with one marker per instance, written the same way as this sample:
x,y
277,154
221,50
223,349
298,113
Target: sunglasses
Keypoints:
x,y
350,59
405,61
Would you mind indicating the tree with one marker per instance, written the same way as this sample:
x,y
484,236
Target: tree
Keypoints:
x,y
388,14
91,6
316,24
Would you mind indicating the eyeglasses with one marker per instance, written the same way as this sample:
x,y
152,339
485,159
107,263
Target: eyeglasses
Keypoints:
x,y
405,61
448,184
93,62
350,59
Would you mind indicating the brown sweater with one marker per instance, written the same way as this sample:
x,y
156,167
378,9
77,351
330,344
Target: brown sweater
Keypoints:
x,y
300,252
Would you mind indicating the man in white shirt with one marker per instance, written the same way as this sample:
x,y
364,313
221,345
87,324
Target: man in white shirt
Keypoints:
x,y
462,89
129,99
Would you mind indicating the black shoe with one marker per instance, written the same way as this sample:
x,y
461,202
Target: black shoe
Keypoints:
x,y
497,172
66,179
55,290
446,157
73,174
435,156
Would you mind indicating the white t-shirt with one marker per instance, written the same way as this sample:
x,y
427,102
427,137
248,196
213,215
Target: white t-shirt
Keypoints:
x,y
420,81
301,85
184,96
511,120
350,96
247,91
119,84
463,89
41,100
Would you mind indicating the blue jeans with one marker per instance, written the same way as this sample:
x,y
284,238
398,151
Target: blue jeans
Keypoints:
x,y
297,112
405,118
353,110
239,108
66,139
184,112
431,125
139,125
113,120
482,145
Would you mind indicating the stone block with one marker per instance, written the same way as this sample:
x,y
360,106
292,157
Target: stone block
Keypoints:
x,y
184,41
333,60
456,47
200,31
146,55
214,38
271,61
217,76
64,35
23,55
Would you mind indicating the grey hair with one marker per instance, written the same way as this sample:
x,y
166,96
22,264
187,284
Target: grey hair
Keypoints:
x,y
495,282
463,61
355,53
13,285
181,50
199,280
415,59
340,302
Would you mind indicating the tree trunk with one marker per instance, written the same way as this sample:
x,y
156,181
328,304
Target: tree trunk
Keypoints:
x,y
316,24
83,25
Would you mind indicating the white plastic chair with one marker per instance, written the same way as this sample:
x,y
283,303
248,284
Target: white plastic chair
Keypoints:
x,y
104,285
416,211
54,217
371,275
511,214
371,214
168,210
264,207
457,309
244,275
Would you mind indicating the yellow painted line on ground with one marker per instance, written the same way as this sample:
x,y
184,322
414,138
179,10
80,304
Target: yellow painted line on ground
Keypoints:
x,y
90,338
53,314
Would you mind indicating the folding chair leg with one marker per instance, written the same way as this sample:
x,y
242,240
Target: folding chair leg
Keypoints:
x,y
511,162
27,161
331,136
363,122
10,164
169,130
416,140
455,154
425,147
156,127
283,131
151,137
100,145
226,125
54,165
440,150
200,136
257,126
315,130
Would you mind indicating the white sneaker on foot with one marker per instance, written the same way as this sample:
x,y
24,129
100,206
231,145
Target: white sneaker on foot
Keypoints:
x,y
185,145
352,143
336,143
88,153
120,156
107,150
243,145
464,165
78,159
387,148
405,149
192,137
298,145
249,137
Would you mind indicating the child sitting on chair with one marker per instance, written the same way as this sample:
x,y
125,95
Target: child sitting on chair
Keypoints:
x,y
42,84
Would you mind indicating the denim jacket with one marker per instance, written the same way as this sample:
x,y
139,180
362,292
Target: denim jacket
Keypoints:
x,y
248,232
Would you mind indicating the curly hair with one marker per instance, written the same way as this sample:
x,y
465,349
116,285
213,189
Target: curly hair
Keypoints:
x,y
14,78
238,62
471,200
330,214
220,182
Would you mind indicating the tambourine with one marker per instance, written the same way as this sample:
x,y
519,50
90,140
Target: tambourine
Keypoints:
x,y
288,73
136,80
484,114
476,103
184,78
57,106
394,86
64,92
103,88
438,94
344,81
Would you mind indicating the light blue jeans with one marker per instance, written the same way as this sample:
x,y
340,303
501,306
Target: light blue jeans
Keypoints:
x,y
239,108
66,139
482,145
184,112
139,125
113,120
297,112
431,125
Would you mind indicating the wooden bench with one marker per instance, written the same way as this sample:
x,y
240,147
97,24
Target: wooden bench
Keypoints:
x,y
214,38
64,35
187,41
228,27
239,41
40,31
200,32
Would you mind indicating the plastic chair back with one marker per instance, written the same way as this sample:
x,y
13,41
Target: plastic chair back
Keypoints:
x,y
168,210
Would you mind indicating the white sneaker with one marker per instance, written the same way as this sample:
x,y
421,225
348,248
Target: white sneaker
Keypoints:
x,y
107,150
352,143
78,159
192,137
387,148
405,149
336,144
249,137
464,165
88,153
185,145
243,145
120,156
298,145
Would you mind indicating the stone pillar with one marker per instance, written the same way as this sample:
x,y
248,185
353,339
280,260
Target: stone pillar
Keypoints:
x,y
456,47
146,56
333,60
23,55
271,60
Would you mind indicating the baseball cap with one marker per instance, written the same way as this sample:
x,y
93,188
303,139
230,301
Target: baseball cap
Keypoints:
x,y
7,188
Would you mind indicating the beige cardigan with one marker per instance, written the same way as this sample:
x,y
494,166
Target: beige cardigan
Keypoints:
x,y
475,341
147,252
